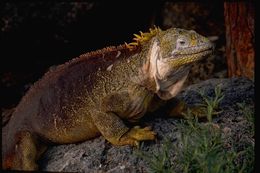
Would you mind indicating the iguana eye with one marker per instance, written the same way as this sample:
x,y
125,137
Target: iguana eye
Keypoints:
x,y
181,42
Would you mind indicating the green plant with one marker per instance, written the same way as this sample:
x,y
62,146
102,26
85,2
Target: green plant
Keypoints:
x,y
211,104
247,111
200,147
159,160
203,146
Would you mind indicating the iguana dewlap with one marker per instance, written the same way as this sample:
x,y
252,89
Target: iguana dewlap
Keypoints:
x,y
95,93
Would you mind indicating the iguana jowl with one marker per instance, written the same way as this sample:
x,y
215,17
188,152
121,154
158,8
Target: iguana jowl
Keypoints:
x,y
91,95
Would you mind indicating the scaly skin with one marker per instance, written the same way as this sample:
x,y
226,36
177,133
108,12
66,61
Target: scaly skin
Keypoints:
x,y
91,95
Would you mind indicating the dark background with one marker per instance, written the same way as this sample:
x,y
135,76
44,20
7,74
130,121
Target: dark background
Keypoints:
x,y
38,35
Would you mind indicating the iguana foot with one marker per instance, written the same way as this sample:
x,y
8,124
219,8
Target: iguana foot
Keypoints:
x,y
177,109
198,111
180,109
137,134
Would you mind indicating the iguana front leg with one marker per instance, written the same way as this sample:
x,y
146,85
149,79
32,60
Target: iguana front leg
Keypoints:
x,y
129,105
116,132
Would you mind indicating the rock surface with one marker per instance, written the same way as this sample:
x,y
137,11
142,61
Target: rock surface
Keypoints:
x,y
98,155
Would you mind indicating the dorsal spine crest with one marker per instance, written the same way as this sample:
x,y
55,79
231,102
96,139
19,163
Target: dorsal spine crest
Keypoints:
x,y
143,37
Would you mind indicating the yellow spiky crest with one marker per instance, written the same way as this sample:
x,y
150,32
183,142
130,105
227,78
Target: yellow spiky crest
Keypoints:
x,y
143,37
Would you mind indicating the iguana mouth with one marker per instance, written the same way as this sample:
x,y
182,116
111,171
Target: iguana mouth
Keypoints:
x,y
189,55
195,54
194,50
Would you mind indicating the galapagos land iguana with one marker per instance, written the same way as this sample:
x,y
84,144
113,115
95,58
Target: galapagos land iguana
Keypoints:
x,y
96,92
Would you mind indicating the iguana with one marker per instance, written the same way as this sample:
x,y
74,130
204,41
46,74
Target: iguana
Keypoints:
x,y
95,93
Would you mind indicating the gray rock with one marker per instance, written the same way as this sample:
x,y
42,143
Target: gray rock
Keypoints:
x,y
236,90
98,155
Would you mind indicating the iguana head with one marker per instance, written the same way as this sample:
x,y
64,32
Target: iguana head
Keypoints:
x,y
171,54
